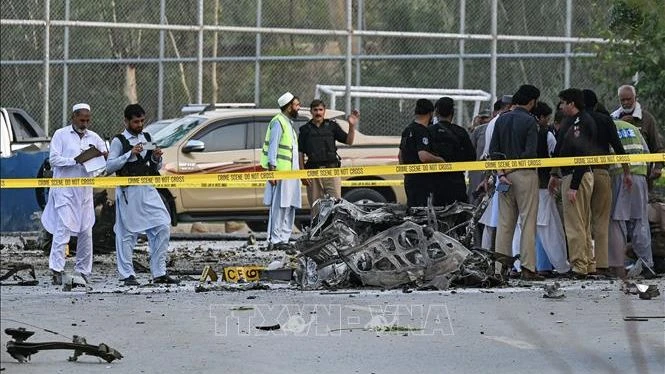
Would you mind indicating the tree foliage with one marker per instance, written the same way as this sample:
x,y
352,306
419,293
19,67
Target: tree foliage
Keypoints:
x,y
130,55
636,52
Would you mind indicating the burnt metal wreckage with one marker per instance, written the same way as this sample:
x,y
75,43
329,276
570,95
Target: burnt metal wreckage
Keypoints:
x,y
390,246
13,272
21,350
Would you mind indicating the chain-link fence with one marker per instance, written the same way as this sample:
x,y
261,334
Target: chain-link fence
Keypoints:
x,y
167,53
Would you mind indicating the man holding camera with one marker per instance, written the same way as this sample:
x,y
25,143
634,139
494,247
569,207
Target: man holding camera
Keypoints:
x,y
138,208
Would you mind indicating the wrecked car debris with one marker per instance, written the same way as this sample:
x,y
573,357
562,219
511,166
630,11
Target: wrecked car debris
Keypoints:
x,y
390,245
645,292
404,254
21,350
13,271
553,291
231,287
641,318
651,292
269,328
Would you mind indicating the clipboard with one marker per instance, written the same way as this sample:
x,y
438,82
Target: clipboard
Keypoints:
x,y
88,154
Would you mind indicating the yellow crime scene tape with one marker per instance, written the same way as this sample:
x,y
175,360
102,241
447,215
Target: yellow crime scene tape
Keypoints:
x,y
257,179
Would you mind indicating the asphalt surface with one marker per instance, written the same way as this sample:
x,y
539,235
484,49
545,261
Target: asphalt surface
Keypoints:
x,y
177,330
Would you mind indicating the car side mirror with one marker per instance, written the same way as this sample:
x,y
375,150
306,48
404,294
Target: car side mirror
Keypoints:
x,y
194,146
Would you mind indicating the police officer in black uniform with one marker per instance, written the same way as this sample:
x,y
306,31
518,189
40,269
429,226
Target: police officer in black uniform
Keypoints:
x,y
453,144
317,149
415,148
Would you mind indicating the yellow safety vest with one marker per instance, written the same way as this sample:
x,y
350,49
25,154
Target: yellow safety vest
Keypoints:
x,y
285,148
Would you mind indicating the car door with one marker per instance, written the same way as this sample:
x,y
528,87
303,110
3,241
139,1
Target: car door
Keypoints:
x,y
226,151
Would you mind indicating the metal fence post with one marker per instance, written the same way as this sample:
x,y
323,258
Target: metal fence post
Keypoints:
x,y
569,31
359,48
257,61
349,40
460,71
199,58
160,64
495,10
65,68
47,62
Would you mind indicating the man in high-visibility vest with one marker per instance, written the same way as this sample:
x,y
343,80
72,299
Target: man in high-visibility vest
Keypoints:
x,y
280,152
629,212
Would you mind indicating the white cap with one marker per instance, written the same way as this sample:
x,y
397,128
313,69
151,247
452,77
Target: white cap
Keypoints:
x,y
285,99
80,106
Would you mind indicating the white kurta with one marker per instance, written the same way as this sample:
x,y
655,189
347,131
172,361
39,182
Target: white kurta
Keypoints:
x,y
285,197
138,208
70,206
550,230
288,190
70,210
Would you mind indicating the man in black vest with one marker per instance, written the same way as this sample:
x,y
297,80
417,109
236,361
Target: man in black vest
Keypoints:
x,y
415,148
317,149
138,208
452,143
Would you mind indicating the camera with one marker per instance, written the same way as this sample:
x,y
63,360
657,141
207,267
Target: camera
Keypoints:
x,y
503,187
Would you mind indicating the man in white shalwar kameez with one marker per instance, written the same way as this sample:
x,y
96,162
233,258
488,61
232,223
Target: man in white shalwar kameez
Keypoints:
x,y
280,152
138,209
69,210
549,228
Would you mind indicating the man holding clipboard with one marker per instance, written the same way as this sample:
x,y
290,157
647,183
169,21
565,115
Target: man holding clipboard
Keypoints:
x,y
74,152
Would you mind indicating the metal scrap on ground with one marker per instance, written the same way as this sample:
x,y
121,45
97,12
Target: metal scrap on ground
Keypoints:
x,y
389,245
21,350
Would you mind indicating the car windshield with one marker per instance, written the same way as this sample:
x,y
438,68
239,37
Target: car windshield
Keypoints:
x,y
172,133
156,127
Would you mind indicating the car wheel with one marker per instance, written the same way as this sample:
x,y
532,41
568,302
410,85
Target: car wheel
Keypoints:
x,y
169,203
364,196
257,226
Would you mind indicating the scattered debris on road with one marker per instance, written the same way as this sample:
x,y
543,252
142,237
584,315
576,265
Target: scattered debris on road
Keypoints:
x,y
231,287
13,271
21,350
642,318
553,291
390,246
269,328
645,292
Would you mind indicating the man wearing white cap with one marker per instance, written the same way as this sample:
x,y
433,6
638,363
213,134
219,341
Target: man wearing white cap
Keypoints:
x,y
69,210
280,152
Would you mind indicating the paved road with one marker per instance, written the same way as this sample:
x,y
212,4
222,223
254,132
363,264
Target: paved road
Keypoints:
x,y
175,330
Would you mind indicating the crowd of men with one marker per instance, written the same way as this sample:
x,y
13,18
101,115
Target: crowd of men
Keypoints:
x,y
582,235
572,221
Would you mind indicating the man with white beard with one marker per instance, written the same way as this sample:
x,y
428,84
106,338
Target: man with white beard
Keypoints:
x,y
69,210
632,112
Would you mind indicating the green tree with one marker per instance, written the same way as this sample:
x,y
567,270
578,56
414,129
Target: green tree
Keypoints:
x,y
635,54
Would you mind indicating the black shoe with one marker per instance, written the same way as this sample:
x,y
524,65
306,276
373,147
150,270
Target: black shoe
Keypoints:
x,y
529,275
165,279
575,275
648,274
130,281
56,278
